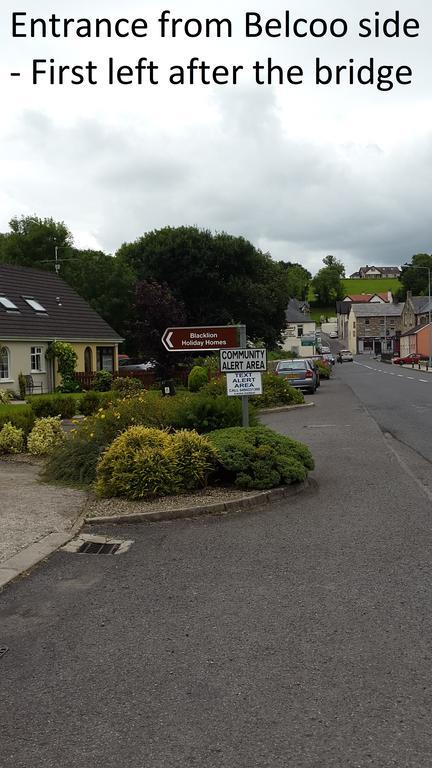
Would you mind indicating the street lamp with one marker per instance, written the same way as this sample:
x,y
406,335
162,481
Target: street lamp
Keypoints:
x,y
429,269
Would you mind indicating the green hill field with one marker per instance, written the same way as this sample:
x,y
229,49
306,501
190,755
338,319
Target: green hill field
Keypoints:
x,y
359,285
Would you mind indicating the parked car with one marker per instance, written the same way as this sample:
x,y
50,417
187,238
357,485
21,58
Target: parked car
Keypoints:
x,y
333,334
299,373
330,358
413,358
325,350
313,362
132,364
345,356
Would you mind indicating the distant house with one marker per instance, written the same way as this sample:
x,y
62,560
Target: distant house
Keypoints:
x,y
374,328
416,331
299,336
376,272
36,308
374,298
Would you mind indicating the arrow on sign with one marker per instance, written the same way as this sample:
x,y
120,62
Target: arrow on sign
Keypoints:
x,y
167,340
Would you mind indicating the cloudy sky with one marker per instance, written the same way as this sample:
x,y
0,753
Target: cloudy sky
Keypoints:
x,y
302,171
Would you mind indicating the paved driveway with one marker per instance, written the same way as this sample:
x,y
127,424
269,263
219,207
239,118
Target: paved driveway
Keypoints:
x,y
30,510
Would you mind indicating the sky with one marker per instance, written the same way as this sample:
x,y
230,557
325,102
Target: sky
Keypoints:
x,y
300,170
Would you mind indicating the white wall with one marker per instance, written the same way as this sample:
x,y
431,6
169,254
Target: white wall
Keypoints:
x,y
20,362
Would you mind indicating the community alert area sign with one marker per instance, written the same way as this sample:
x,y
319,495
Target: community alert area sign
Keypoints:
x,y
241,384
243,360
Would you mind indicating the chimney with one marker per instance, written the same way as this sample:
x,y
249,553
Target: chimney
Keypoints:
x,y
409,294
390,297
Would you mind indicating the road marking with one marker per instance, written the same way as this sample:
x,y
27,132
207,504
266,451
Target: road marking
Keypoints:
x,y
411,378
424,381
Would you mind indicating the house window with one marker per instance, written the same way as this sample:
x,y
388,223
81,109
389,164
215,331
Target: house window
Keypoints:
x,y
4,364
34,304
105,359
36,359
367,322
299,331
8,304
88,360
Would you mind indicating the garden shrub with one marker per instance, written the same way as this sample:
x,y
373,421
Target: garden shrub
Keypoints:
x,y
277,392
193,457
53,405
184,411
258,458
91,401
20,416
136,465
46,436
66,362
197,378
324,371
102,381
145,462
127,386
5,396
11,439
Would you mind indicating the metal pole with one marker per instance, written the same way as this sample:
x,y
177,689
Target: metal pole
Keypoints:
x,y
430,329
244,399
56,265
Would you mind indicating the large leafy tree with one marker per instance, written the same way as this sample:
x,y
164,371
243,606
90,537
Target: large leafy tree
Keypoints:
x,y
154,309
414,278
328,282
297,279
31,242
220,278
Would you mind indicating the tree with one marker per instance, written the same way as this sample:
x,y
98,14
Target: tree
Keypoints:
x,y
415,280
155,309
297,280
32,241
327,283
104,282
220,279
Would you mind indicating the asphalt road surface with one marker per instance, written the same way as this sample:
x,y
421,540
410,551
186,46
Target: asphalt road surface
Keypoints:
x,y
296,636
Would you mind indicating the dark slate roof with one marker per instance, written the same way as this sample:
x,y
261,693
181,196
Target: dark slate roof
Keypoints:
x,y
420,304
344,307
67,317
377,310
293,314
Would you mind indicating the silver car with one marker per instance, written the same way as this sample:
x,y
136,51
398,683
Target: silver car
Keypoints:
x,y
299,373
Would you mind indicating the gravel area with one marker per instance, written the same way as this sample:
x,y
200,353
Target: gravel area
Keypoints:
x,y
99,507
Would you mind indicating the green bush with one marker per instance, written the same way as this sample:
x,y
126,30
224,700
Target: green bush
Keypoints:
x,y
53,405
197,378
277,392
324,371
258,458
127,386
184,411
46,436
192,457
102,381
5,396
91,401
146,462
20,416
11,439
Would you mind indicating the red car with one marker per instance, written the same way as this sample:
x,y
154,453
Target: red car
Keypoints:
x,y
413,358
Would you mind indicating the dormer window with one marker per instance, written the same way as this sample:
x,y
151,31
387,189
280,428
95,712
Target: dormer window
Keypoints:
x,y
34,304
8,304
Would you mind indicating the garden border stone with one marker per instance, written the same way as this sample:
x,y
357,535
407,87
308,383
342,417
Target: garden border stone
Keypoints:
x,y
219,508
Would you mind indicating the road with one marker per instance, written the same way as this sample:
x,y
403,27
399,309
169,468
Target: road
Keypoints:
x,y
295,636
399,399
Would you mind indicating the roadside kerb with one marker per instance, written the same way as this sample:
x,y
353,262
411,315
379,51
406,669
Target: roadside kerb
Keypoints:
x,y
219,508
27,558
282,408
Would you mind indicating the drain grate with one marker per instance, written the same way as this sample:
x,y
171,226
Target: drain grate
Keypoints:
x,y
3,649
98,548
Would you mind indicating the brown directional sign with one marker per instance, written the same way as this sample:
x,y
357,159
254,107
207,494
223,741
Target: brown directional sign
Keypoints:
x,y
201,339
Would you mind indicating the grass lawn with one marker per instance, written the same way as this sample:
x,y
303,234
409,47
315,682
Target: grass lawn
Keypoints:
x,y
6,410
357,285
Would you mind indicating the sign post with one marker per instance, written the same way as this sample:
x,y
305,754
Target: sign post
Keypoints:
x,y
244,400
201,338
